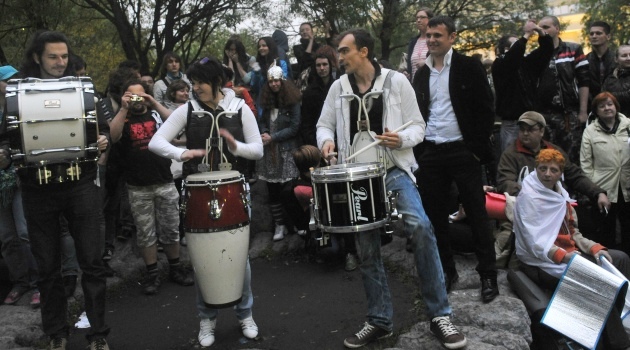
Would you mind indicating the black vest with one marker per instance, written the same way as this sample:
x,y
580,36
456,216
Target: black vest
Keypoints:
x,y
198,131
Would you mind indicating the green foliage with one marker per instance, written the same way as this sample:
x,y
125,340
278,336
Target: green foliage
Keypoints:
x,y
614,12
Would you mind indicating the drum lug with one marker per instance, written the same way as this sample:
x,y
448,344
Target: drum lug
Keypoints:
x,y
246,202
215,211
393,212
312,224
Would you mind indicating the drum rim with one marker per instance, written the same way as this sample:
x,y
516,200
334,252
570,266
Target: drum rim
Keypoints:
x,y
354,171
234,176
354,228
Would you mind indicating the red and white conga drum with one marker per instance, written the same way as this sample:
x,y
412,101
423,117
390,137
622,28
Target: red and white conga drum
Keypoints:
x,y
217,229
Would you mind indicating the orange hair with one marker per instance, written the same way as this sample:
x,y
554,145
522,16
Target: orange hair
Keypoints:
x,y
551,155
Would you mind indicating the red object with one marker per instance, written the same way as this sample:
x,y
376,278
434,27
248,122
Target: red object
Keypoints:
x,y
495,206
229,197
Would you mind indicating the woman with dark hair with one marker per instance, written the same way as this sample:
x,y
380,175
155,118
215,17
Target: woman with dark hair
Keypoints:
x,y
279,124
243,141
618,83
235,57
605,159
266,58
170,71
417,49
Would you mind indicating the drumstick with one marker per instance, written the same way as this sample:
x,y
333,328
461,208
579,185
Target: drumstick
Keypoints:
x,y
378,141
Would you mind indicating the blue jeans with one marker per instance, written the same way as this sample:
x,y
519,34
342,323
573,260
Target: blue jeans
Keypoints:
x,y
16,248
416,225
78,202
243,309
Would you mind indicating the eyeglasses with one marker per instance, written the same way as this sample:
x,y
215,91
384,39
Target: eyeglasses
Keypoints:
x,y
528,129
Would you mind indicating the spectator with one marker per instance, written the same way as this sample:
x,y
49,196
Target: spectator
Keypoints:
x,y
152,194
519,159
279,124
515,77
267,57
601,60
562,93
417,49
177,93
313,97
605,157
237,59
147,79
456,102
618,83
171,71
14,239
547,237
305,51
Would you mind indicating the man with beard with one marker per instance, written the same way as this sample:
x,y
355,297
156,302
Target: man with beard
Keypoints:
x,y
48,58
152,194
313,97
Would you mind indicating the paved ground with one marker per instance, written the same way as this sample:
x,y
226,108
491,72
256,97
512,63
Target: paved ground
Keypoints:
x,y
298,305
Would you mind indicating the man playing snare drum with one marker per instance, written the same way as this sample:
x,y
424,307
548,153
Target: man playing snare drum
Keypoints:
x,y
47,58
395,107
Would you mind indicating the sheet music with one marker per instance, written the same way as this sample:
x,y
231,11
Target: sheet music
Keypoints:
x,y
582,301
608,266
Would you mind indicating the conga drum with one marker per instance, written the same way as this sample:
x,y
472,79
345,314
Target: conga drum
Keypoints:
x,y
217,229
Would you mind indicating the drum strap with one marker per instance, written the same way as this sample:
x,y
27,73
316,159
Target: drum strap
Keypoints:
x,y
235,105
378,83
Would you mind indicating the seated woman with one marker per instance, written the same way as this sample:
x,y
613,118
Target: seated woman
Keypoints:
x,y
547,236
309,157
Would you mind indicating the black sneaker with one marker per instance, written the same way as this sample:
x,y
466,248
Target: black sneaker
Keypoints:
x,y
365,336
447,333
181,276
151,284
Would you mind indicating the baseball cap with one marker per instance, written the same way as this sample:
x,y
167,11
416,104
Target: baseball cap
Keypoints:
x,y
532,118
6,72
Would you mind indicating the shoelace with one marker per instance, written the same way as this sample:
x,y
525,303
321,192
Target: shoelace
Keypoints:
x,y
206,327
367,328
446,327
99,344
248,323
57,342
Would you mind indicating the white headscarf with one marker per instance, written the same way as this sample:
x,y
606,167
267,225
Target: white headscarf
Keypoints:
x,y
538,214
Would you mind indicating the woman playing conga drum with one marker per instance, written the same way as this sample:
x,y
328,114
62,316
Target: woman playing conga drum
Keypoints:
x,y
241,135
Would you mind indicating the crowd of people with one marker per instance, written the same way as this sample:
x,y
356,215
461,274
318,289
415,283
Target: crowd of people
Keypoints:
x,y
562,122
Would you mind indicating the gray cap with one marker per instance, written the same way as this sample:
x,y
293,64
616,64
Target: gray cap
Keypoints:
x,y
532,118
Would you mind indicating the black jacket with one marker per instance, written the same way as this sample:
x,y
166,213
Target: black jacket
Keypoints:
x,y
594,67
312,102
516,76
472,101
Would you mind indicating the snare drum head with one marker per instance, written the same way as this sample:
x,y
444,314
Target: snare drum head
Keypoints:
x,y
213,176
348,172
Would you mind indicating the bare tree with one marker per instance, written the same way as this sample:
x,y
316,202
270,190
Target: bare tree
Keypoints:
x,y
156,27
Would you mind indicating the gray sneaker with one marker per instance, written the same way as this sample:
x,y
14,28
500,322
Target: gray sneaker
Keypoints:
x,y
351,262
365,336
98,344
447,333
58,344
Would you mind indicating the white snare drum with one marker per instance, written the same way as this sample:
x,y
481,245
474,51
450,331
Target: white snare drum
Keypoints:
x,y
57,124
350,197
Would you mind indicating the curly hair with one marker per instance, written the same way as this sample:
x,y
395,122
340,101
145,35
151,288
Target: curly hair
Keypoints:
x,y
548,155
288,95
